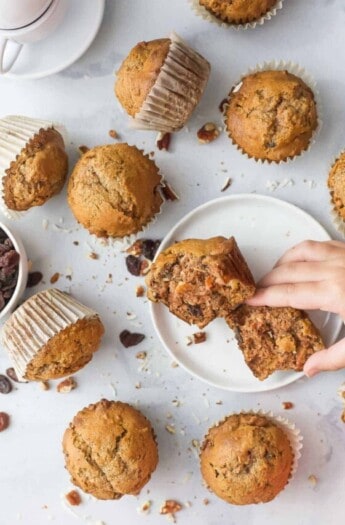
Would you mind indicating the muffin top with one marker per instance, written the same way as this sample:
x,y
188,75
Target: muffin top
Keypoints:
x,y
114,190
271,115
336,184
238,11
38,173
110,450
271,339
246,459
138,73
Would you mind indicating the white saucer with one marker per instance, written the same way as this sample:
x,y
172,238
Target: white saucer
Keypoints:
x,y
264,228
68,43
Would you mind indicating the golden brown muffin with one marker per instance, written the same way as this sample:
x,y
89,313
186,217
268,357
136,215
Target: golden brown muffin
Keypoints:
x,y
110,450
336,185
51,335
38,173
246,459
139,72
272,115
238,11
161,82
114,190
200,279
274,339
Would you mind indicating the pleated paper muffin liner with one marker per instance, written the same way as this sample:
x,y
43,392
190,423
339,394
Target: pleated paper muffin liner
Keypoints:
x,y
170,102
290,429
337,220
296,70
15,133
201,11
36,322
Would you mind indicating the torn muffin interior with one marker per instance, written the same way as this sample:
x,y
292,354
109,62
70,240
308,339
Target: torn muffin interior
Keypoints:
x,y
272,339
199,280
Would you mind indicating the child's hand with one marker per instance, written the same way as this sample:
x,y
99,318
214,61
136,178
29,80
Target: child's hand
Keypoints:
x,y
310,276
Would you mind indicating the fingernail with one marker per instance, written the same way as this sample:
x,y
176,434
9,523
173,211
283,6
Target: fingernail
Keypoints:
x,y
312,372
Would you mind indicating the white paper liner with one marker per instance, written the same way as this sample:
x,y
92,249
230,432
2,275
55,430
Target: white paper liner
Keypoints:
x,y
296,70
177,90
36,321
290,429
15,133
209,17
337,220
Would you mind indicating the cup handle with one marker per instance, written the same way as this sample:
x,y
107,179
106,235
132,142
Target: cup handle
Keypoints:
x,y
3,44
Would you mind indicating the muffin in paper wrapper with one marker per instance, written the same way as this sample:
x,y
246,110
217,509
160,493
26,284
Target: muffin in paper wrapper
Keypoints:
x,y
290,429
201,11
15,133
177,90
38,320
296,70
337,220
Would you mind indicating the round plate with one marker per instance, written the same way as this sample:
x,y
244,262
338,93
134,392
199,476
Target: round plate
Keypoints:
x,y
68,42
264,229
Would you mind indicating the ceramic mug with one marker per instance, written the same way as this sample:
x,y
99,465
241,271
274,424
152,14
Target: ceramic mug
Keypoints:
x,y
37,30
19,13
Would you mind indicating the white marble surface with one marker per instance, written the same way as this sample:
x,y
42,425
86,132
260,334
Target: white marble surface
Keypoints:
x,y
32,475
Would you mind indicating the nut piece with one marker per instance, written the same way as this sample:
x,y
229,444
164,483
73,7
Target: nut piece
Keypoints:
x,y
44,385
73,497
4,421
83,149
287,405
171,429
199,337
163,141
66,385
145,507
312,480
343,416
168,193
54,278
113,134
141,355
170,506
136,248
140,291
208,133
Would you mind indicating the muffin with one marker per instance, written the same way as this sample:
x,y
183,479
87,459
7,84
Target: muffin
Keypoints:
x,y
33,162
271,115
238,11
114,190
51,335
247,458
274,339
110,450
200,279
161,82
336,185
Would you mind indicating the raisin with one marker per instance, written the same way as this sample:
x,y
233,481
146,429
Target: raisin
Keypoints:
x,y
34,278
128,338
5,385
133,264
4,421
149,248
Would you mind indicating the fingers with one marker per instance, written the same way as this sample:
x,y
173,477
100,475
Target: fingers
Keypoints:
x,y
299,272
306,296
333,358
313,251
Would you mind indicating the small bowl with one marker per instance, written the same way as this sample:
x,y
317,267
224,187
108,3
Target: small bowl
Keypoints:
x,y
22,272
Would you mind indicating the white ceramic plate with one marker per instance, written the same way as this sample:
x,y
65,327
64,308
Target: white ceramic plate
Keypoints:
x,y
264,228
65,46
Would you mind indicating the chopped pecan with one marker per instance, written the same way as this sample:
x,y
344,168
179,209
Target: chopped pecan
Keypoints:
x,y
163,141
287,405
170,506
208,133
73,498
168,193
66,385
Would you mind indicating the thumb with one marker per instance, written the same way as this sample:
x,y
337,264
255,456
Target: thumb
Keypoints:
x,y
333,358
